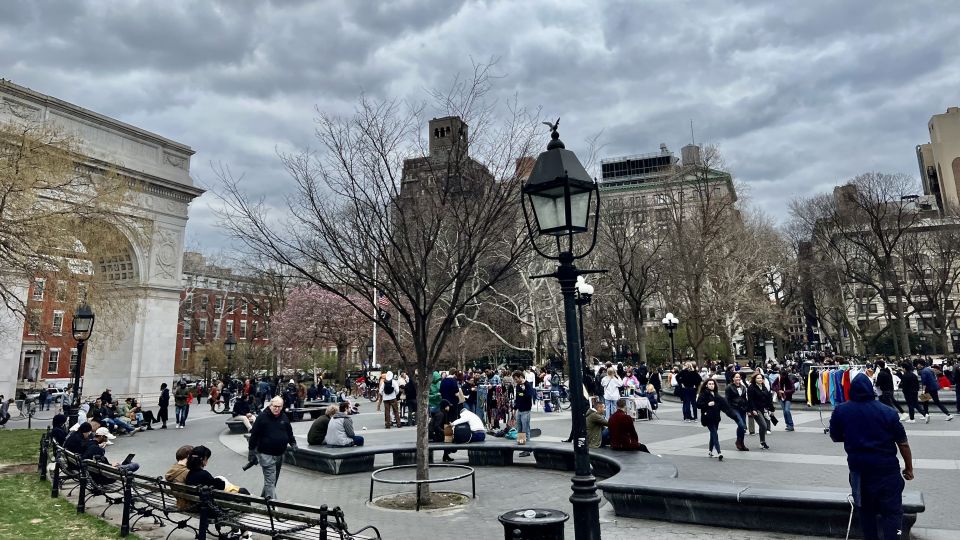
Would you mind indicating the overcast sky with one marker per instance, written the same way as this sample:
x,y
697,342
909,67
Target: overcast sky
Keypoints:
x,y
797,95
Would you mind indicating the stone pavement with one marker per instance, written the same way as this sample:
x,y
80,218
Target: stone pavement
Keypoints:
x,y
806,457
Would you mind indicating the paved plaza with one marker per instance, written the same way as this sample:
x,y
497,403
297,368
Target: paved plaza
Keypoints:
x,y
804,458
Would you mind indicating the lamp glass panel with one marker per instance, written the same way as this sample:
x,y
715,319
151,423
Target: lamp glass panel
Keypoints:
x,y
82,324
580,208
550,211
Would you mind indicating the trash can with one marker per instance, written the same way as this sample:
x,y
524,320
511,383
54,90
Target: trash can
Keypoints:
x,y
533,524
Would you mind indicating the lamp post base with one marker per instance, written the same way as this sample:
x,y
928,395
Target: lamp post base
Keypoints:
x,y
586,507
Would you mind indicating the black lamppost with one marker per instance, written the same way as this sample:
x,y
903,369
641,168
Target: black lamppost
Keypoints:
x,y
81,327
206,373
561,195
370,354
670,323
229,345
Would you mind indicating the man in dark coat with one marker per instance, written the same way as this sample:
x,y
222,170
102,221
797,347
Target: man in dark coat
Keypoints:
x,y
269,438
623,434
871,434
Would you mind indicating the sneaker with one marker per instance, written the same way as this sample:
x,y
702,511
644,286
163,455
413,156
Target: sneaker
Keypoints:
x,y
926,419
909,421
720,457
765,446
903,416
949,417
789,428
710,454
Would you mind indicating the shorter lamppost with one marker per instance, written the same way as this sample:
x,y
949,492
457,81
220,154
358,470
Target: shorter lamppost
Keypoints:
x,y
370,354
955,334
81,327
229,345
670,323
206,373
584,295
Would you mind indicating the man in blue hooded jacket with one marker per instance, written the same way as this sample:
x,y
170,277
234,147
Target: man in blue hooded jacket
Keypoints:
x,y
871,433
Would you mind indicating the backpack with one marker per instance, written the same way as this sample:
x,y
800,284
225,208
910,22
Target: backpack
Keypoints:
x,y
387,387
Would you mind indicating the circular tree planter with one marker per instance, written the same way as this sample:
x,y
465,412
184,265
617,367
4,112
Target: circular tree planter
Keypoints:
x,y
411,500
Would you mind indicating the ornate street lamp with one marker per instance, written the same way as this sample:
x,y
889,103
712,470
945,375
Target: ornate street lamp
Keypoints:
x,y
82,328
670,323
561,196
229,345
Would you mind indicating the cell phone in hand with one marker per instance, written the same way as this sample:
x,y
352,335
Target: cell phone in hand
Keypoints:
x,y
128,460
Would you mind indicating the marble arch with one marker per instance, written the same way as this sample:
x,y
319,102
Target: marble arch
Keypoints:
x,y
139,360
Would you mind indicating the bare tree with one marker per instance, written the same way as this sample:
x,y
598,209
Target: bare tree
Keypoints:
x,y
864,224
931,260
431,233
631,243
700,219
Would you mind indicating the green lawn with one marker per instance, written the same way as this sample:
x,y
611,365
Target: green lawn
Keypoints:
x,y
27,511
19,446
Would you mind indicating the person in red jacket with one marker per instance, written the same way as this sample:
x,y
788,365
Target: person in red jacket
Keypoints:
x,y
623,436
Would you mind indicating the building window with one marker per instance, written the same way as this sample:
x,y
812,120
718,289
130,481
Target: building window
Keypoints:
x,y
38,286
245,306
243,330
57,322
33,322
61,291
216,329
229,327
184,356
186,329
53,360
204,300
188,302
73,360
202,329
256,329
218,304
82,289
231,303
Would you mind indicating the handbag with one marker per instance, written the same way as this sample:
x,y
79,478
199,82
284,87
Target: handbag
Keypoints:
x,y
925,397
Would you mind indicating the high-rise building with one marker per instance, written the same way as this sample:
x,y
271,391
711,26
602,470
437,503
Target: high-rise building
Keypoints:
x,y
939,160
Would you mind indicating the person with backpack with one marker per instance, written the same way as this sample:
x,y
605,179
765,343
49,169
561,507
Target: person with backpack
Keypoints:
x,y
388,394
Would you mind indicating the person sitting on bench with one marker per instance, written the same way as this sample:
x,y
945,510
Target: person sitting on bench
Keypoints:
x,y
340,431
623,435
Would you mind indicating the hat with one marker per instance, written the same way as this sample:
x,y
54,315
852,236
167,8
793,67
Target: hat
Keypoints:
x,y
59,419
104,432
389,375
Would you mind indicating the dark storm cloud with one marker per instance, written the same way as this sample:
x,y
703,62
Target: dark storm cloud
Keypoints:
x,y
798,96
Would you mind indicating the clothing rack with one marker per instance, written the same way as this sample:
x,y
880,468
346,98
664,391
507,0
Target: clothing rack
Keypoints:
x,y
811,367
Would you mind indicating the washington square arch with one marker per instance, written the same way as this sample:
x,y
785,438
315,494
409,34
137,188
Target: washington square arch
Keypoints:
x,y
137,356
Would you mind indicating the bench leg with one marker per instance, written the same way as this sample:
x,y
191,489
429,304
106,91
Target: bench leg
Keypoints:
x,y
127,502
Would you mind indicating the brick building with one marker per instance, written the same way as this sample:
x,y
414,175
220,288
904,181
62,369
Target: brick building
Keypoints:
x,y
214,303
48,351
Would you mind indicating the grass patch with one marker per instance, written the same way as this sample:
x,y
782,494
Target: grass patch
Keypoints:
x,y
28,512
19,446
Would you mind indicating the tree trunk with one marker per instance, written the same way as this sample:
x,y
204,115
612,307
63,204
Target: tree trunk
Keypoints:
x,y
341,361
641,334
424,377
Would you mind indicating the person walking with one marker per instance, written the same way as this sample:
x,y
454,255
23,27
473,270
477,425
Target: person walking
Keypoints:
x,y
884,383
388,395
930,385
611,385
910,386
269,438
181,405
709,404
736,393
688,381
871,434
784,387
759,402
